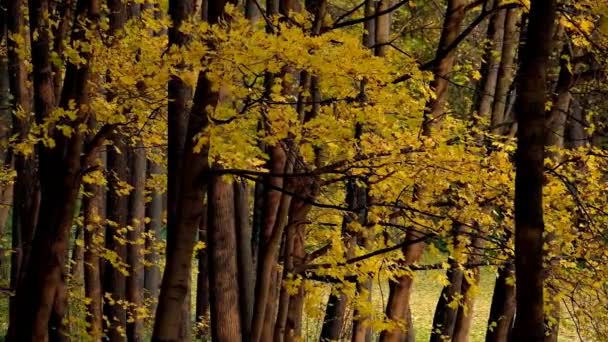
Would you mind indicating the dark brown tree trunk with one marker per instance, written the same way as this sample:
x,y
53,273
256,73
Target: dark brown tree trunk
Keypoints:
x,y
223,263
94,214
186,191
444,320
114,282
293,324
464,319
506,71
529,161
137,216
26,195
245,254
153,229
454,16
397,307
502,310
202,279
41,296
289,310
117,206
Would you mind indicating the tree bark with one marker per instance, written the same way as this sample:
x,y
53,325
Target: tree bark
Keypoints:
x,y
490,63
115,283
444,320
529,161
223,264
506,71
244,254
153,230
202,278
94,215
41,296
186,192
502,310
398,304
26,194
137,216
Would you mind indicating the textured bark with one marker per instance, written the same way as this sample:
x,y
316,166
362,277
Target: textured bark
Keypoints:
x,y
94,214
186,191
464,319
398,304
223,264
41,296
490,63
443,67
26,195
137,215
575,129
64,16
529,161
202,278
287,327
244,254
117,205
444,320
502,310
154,212
506,70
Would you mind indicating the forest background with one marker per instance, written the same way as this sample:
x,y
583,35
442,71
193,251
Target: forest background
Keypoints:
x,y
289,170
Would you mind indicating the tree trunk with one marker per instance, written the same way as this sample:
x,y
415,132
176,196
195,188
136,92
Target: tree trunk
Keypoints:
x,y
26,194
244,254
506,70
94,214
502,310
186,184
223,264
114,282
202,279
464,319
454,16
398,304
445,317
490,63
41,296
529,161
137,216
153,230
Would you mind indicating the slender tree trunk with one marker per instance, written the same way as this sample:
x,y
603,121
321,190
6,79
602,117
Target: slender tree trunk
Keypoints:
x,y
153,230
529,222
94,214
245,254
137,215
464,319
26,195
490,63
445,317
502,310
397,307
186,193
114,282
506,70
223,263
202,279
